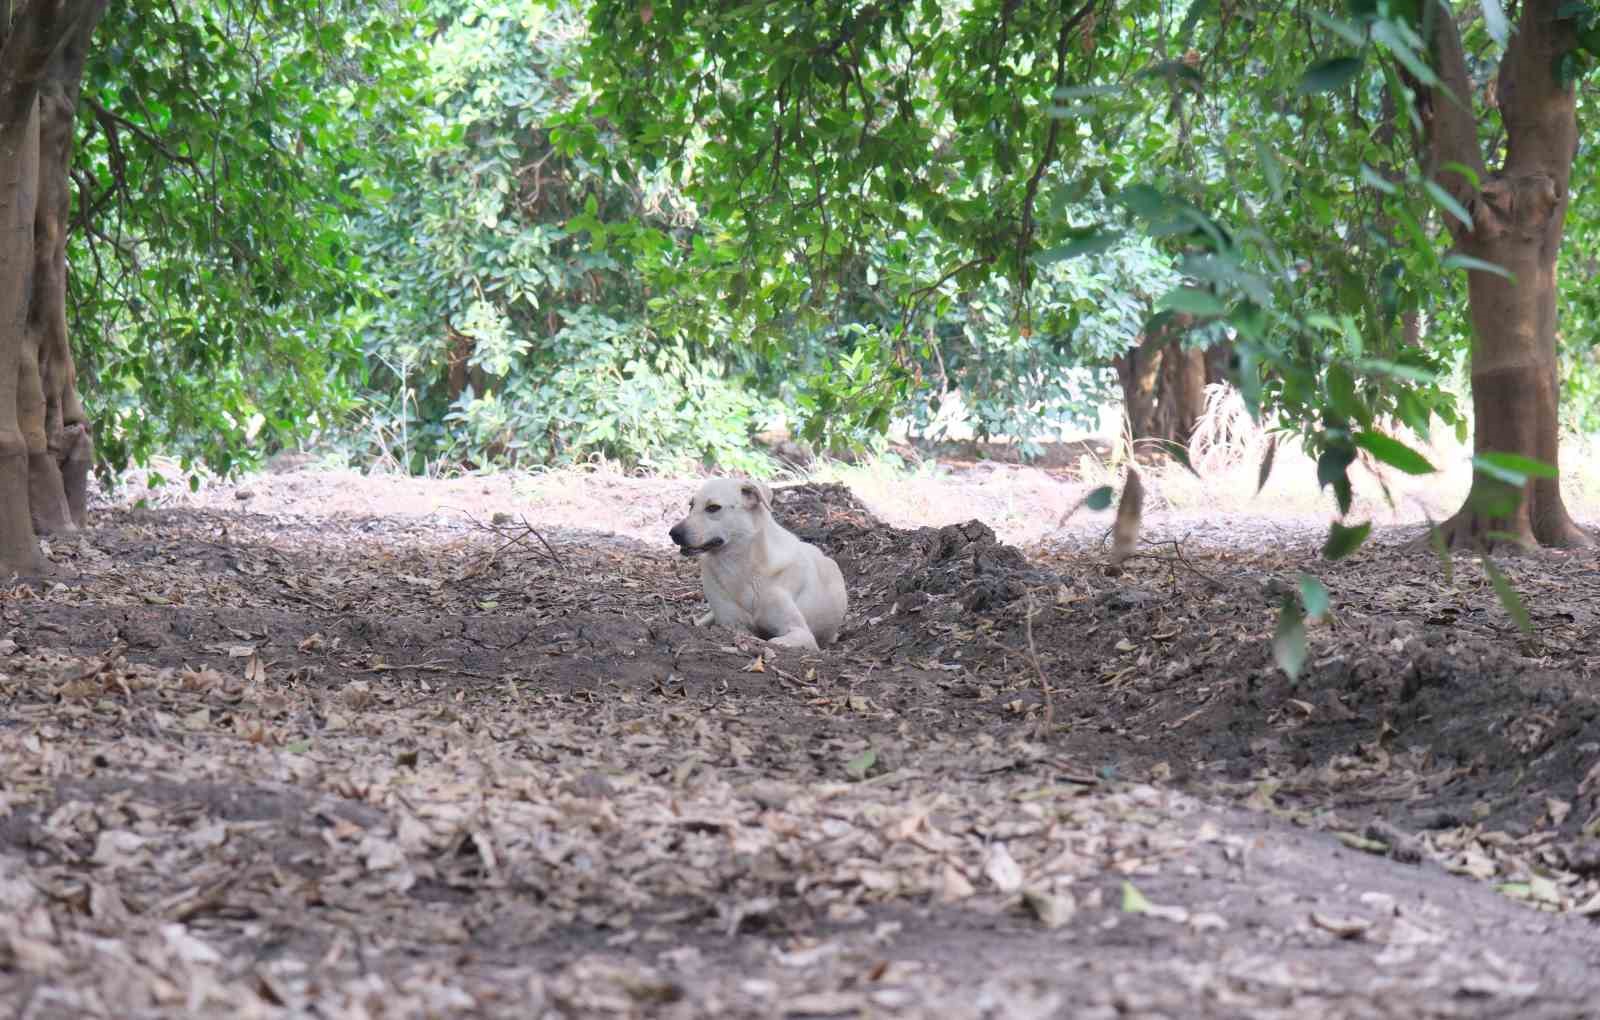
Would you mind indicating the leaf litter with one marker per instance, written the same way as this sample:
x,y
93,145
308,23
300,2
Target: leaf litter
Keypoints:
x,y
356,766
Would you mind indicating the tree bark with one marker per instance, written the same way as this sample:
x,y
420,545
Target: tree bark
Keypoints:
x,y
1139,372
58,474
45,450
1163,386
19,177
1518,216
1184,376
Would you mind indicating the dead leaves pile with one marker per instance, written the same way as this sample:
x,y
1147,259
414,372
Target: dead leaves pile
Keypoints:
x,y
352,838
412,862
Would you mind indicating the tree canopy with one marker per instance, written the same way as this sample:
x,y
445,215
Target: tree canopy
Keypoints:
x,y
1336,185
517,232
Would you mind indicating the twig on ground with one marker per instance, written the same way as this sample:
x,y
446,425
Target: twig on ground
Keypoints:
x,y
513,537
1033,656
1182,561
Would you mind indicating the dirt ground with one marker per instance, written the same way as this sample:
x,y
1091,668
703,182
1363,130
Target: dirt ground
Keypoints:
x,y
324,745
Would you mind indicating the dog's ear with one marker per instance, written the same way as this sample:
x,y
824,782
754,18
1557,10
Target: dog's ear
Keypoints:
x,y
755,494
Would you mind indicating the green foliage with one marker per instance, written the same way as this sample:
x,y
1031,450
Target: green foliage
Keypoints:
x,y
517,325
615,391
954,150
213,296
1289,645
1509,599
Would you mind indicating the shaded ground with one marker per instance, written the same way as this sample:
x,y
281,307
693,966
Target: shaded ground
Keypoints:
x,y
328,762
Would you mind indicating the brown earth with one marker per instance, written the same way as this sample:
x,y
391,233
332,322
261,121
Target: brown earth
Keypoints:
x,y
296,754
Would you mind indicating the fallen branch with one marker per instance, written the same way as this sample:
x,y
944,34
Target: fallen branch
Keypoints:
x,y
1033,656
513,537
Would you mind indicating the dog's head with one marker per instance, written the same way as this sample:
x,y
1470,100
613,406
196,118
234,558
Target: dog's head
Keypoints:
x,y
725,512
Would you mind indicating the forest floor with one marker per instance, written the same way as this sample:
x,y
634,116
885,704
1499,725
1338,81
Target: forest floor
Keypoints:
x,y
317,744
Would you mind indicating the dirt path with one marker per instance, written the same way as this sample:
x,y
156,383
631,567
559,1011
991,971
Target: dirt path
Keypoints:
x,y
349,757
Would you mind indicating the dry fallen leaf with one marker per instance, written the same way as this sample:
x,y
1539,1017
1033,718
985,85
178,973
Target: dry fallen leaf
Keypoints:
x,y
1343,927
1000,868
1053,909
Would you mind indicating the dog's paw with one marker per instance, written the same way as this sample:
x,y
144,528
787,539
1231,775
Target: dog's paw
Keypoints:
x,y
797,639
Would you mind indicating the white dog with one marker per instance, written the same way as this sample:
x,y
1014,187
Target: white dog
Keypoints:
x,y
757,576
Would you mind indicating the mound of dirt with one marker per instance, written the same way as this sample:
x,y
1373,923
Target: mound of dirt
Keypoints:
x,y
959,568
1417,708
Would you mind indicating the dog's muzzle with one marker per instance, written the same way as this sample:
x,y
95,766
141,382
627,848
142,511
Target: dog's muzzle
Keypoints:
x,y
680,539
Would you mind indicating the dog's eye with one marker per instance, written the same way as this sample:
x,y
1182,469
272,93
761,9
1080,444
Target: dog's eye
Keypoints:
x,y
712,508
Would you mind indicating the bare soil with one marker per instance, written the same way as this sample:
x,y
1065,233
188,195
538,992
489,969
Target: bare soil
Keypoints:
x,y
322,745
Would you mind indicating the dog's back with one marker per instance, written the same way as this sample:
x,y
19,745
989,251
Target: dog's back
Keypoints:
x,y
757,574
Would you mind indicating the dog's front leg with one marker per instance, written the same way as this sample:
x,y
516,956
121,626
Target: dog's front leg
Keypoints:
x,y
787,625
800,638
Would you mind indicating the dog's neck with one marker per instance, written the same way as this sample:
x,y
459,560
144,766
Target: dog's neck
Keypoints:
x,y
732,562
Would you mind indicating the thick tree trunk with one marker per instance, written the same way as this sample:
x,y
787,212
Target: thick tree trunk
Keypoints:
x,y
1139,372
1219,363
1184,382
1163,387
44,441
19,179
1517,223
59,475
1515,388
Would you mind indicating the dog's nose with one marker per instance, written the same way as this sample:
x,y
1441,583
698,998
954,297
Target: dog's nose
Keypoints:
x,y
676,534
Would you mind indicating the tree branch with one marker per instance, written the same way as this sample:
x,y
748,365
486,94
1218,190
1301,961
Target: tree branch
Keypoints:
x,y
110,122
1537,108
1450,131
1051,138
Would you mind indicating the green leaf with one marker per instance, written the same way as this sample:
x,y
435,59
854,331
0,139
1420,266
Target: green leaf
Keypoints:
x,y
1289,648
1378,181
1342,540
1328,75
1441,549
1091,244
1099,499
1333,464
1378,366
1133,901
858,766
1339,27
1070,92
1074,111
1192,301
1394,453
1180,453
1392,34
1508,597
1494,498
1342,394
1146,202
1271,168
1469,174
1446,201
1513,468
1314,596
1265,471
1495,22
1458,261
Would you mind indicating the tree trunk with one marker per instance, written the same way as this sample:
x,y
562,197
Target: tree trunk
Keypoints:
x,y
58,473
1139,372
1517,223
1219,362
1184,383
1163,386
45,449
69,443
19,178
